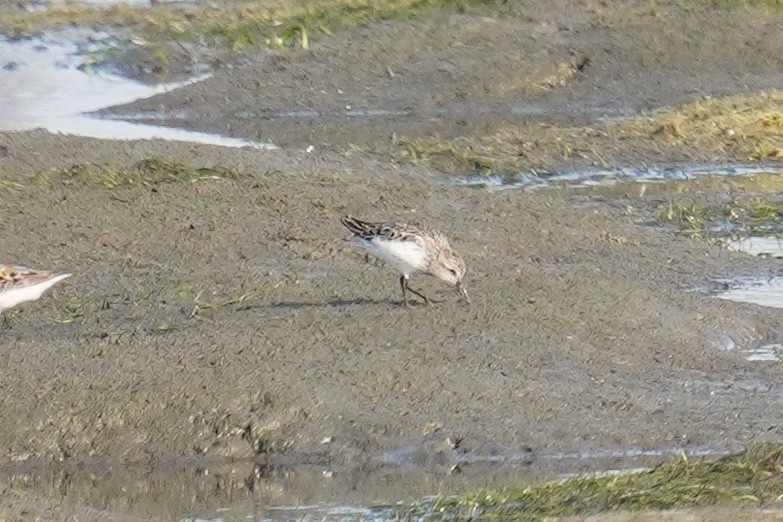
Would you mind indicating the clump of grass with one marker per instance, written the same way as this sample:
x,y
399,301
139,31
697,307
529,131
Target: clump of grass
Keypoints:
x,y
754,217
202,302
690,219
74,310
746,128
511,148
145,173
448,155
237,25
8,185
752,477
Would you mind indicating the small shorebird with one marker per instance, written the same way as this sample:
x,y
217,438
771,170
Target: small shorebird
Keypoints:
x,y
19,284
411,249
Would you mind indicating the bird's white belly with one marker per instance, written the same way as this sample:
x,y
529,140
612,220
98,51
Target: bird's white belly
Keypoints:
x,y
13,297
404,256
17,295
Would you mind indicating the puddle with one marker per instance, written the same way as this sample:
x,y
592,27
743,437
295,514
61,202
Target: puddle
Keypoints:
x,y
763,291
236,491
633,453
46,82
287,513
766,353
419,456
251,493
759,246
594,177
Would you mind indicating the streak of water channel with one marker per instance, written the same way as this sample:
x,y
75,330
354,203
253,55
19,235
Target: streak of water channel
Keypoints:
x,y
609,176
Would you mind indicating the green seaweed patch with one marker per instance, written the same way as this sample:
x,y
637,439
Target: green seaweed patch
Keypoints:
x,y
145,173
754,476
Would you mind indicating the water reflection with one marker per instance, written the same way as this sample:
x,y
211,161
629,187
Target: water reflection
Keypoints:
x,y
197,490
242,491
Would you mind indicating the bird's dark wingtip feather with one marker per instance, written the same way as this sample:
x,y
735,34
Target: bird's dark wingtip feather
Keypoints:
x,y
356,226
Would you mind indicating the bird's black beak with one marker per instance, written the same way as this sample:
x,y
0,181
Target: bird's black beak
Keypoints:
x,y
463,292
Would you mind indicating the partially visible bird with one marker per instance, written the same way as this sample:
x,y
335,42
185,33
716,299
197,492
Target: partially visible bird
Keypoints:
x,y
19,284
411,249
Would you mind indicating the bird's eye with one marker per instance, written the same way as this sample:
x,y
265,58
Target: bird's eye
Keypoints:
x,y
453,272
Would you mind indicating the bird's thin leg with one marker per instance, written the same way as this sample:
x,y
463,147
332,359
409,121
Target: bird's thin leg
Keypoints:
x,y
405,285
404,295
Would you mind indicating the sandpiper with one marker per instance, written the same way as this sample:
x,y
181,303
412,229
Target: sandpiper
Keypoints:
x,y
411,249
19,284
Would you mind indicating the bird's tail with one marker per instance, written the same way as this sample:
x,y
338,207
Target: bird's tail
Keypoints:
x,y
357,226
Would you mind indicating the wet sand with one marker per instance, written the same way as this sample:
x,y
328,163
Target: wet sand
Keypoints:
x,y
229,316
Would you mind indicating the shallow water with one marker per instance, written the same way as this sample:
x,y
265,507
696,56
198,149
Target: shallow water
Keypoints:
x,y
609,176
247,491
760,246
763,291
765,353
47,82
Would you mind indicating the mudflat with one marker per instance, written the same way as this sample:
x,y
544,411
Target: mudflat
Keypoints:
x,y
218,309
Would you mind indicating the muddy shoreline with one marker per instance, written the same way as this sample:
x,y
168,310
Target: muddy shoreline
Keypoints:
x,y
218,311
455,74
255,331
